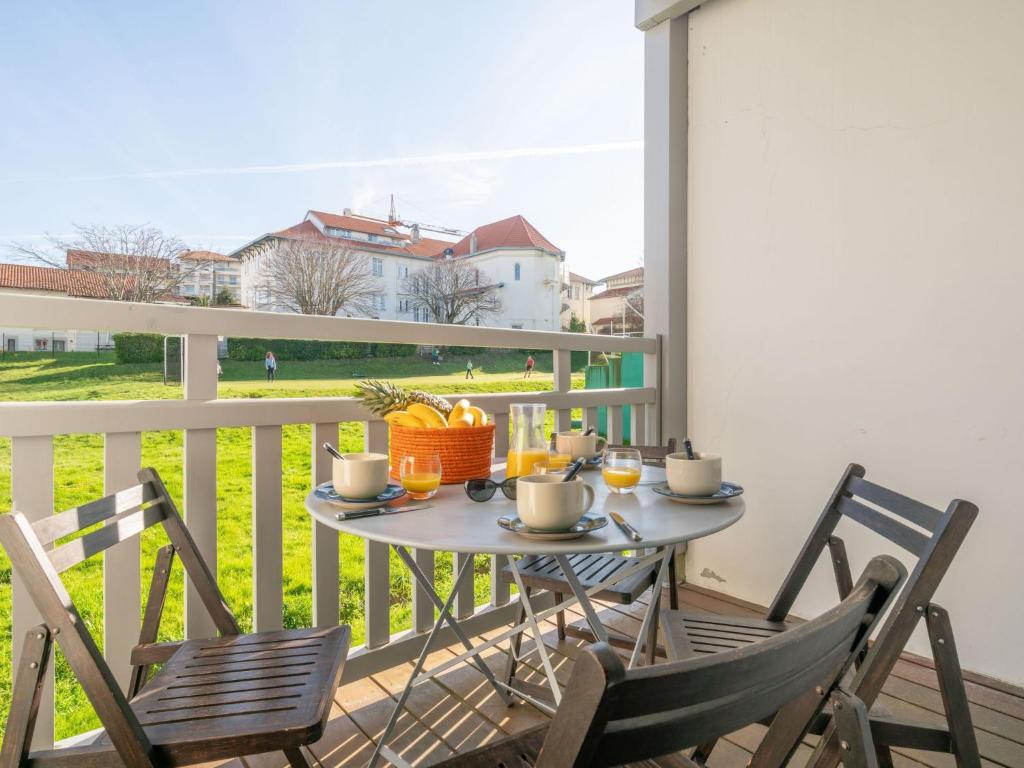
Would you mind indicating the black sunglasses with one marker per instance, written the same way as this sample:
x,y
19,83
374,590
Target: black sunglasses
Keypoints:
x,y
485,488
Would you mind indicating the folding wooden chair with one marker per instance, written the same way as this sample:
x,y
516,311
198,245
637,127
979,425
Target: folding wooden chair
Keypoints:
x,y
613,716
542,572
934,538
213,699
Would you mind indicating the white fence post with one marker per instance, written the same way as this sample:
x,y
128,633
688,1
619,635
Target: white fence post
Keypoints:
x,y
32,495
200,470
377,574
499,589
122,453
562,363
267,553
325,538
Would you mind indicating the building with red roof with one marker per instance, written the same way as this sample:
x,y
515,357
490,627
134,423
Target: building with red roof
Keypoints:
x,y
518,261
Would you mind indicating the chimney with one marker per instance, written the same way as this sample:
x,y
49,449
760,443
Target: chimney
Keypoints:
x,y
449,252
414,233
346,211
472,243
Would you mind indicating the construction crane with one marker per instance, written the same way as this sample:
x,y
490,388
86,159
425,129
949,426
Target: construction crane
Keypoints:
x,y
393,220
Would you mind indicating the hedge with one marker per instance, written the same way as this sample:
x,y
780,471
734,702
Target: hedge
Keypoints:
x,y
296,349
140,347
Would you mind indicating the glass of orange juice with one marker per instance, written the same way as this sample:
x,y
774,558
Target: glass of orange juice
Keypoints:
x,y
421,475
621,469
521,462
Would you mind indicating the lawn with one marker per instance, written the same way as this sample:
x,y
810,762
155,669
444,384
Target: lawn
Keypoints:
x,y
78,477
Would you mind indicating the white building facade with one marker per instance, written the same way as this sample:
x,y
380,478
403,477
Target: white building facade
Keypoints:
x,y
523,266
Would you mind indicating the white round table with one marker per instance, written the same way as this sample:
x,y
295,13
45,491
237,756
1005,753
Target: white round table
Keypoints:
x,y
456,523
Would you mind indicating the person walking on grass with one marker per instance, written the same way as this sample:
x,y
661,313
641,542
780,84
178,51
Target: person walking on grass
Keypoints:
x,y
469,370
529,367
271,365
435,356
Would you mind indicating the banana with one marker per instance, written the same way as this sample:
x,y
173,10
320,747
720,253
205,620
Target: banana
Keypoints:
x,y
404,419
458,411
431,417
479,417
465,420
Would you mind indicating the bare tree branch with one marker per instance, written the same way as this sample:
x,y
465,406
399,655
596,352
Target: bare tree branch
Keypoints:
x,y
313,277
128,262
453,291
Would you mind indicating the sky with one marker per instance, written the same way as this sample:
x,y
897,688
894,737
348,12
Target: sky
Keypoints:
x,y
220,121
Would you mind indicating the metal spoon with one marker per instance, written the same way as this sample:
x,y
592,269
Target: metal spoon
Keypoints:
x,y
333,451
573,469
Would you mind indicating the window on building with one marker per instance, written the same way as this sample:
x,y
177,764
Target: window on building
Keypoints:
x,y
416,314
58,345
42,345
577,292
12,345
517,270
382,302
378,267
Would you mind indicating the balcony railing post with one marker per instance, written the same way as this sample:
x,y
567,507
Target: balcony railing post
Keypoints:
x,y
377,574
562,364
32,495
499,588
325,539
200,469
267,551
122,453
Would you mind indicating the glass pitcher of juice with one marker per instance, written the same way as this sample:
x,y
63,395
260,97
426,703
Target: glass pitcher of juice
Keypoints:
x,y
527,445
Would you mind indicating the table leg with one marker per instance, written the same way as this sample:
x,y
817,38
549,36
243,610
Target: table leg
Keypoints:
x,y
649,628
531,619
443,618
446,615
581,595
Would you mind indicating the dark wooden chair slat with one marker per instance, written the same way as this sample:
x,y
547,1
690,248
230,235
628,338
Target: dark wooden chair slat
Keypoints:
x,y
651,455
896,503
902,535
49,529
543,572
212,699
122,529
613,716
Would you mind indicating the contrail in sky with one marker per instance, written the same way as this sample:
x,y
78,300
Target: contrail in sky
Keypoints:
x,y
383,162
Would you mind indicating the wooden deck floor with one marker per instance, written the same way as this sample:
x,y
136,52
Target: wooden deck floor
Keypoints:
x,y
458,711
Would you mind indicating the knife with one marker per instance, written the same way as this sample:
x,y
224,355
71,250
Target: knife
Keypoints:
x,y
626,528
355,514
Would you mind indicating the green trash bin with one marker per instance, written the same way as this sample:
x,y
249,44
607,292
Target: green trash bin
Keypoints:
x,y
625,370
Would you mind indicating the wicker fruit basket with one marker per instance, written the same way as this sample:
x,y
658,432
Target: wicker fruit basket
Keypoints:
x,y
465,453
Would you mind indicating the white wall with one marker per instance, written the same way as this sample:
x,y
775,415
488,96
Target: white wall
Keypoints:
x,y
855,196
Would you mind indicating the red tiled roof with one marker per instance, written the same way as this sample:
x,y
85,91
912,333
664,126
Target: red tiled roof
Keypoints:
x,y
513,232
611,293
305,229
582,279
635,272
358,224
425,248
72,282
428,246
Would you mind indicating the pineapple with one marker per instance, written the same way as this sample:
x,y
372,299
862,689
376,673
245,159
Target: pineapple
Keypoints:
x,y
383,397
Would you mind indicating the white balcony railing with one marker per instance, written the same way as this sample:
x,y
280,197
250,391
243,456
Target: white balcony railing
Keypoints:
x,y
32,427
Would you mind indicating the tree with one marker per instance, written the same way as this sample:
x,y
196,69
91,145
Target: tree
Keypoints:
x,y
314,277
223,297
453,291
576,325
128,262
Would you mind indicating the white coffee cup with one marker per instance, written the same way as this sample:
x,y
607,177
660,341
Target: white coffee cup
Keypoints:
x,y
546,503
577,444
699,476
360,475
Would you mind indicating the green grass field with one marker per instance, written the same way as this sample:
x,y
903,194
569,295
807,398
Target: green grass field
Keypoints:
x,y
78,477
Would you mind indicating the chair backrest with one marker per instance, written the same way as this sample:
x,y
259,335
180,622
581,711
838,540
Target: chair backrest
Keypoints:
x,y
611,716
39,557
933,536
653,455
